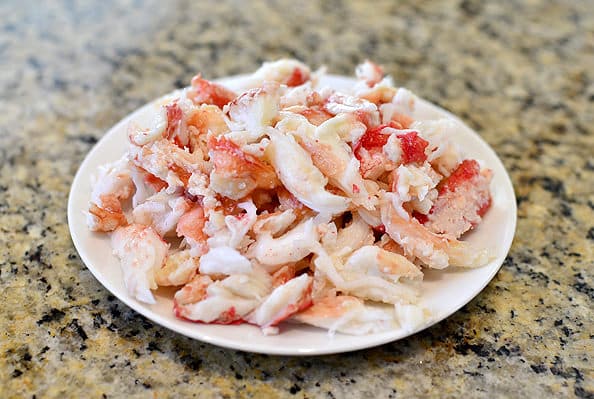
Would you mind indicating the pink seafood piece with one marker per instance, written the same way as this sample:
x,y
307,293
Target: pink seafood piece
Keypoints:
x,y
284,301
297,77
463,199
194,292
206,92
191,224
233,165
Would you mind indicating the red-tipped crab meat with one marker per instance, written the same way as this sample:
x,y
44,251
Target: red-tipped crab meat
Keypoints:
x,y
286,300
236,173
434,250
284,71
113,185
190,226
168,162
463,199
225,301
349,315
162,211
206,92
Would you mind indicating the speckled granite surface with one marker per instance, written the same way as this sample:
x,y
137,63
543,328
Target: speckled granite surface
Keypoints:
x,y
522,73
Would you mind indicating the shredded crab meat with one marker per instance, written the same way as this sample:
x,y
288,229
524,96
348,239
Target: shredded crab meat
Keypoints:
x,y
347,314
285,71
162,211
286,300
179,269
142,253
300,176
279,199
113,185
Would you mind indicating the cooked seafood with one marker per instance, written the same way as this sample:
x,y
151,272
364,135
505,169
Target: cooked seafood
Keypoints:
x,y
288,201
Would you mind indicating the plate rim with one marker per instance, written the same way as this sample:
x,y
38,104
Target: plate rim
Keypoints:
x,y
358,344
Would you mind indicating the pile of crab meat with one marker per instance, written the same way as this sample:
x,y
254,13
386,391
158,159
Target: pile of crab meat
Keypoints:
x,y
285,200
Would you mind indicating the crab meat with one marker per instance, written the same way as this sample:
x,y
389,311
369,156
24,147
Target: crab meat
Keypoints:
x,y
284,301
284,71
168,162
331,155
203,121
141,252
350,238
370,73
292,246
413,183
162,211
179,269
254,110
190,226
235,173
112,185
140,136
299,175
348,315
225,301
365,285
274,223
463,199
224,260
374,273
206,92
434,250
441,152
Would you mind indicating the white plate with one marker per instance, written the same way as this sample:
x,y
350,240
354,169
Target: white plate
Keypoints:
x,y
443,292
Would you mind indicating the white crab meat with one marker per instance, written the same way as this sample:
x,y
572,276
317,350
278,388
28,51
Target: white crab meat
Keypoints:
x,y
351,237
168,162
292,246
441,152
198,185
434,250
286,300
230,230
404,103
114,180
162,211
371,260
141,252
296,96
415,183
284,71
363,283
142,189
179,268
140,136
369,72
253,111
112,185
224,301
299,175
239,225
339,103
274,223
224,260
330,154
374,273
348,315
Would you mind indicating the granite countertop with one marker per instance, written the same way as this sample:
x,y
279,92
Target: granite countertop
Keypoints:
x,y
521,73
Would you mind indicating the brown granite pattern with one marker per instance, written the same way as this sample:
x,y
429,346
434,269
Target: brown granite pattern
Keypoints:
x,y
521,73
